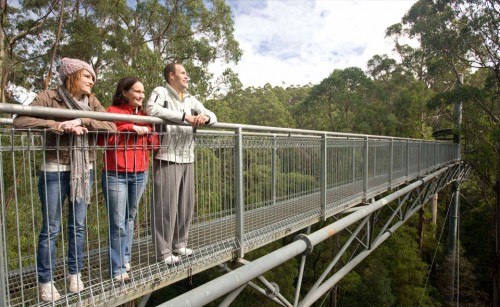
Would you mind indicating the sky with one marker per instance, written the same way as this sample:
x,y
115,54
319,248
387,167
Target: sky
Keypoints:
x,y
300,42
297,42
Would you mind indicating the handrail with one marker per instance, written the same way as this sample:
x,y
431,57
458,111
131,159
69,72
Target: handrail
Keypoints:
x,y
64,113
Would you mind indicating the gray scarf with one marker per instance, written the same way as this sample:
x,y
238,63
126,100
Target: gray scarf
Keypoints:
x,y
79,156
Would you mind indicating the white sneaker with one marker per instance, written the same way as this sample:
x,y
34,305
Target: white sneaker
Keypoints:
x,y
48,292
184,251
171,259
75,283
121,277
127,266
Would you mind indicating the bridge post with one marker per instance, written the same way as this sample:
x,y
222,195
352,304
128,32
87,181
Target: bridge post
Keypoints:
x,y
365,170
239,200
323,175
353,163
273,166
455,205
429,155
420,157
407,159
391,162
3,264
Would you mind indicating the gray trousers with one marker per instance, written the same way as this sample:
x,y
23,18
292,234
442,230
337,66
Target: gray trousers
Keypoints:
x,y
172,206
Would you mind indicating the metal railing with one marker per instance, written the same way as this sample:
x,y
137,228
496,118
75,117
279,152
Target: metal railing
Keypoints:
x,y
253,185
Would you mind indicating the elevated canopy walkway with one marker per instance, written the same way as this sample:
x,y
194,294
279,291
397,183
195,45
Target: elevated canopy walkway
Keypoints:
x,y
253,185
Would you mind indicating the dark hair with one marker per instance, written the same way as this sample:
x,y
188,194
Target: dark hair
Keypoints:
x,y
168,69
123,85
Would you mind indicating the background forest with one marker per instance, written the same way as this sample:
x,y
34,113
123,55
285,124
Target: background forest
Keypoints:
x,y
411,96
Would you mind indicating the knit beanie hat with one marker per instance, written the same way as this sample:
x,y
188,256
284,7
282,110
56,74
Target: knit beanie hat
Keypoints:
x,y
69,66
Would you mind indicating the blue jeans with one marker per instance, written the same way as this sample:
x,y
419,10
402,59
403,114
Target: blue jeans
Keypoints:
x,y
54,188
122,191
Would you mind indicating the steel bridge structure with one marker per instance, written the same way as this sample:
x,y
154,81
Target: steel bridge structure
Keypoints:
x,y
253,184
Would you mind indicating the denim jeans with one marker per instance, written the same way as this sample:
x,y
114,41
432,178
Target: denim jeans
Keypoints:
x,y
54,188
122,191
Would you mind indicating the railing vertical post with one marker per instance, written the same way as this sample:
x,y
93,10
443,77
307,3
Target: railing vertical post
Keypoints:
x,y
454,218
239,203
429,156
419,156
365,170
273,166
353,163
3,248
323,174
407,159
391,162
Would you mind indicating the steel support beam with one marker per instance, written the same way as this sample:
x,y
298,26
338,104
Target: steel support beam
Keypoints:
x,y
235,279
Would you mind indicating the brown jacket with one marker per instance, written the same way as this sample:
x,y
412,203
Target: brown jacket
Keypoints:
x,y
56,138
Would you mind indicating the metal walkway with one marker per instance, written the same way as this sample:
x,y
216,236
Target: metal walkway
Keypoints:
x,y
254,185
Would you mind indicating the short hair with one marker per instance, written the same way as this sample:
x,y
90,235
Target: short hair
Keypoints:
x,y
71,82
123,85
168,69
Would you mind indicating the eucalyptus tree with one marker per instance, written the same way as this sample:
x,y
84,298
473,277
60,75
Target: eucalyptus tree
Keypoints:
x,y
402,100
463,37
24,27
337,102
118,37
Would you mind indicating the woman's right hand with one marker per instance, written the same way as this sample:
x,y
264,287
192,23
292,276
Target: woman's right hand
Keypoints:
x,y
77,130
140,130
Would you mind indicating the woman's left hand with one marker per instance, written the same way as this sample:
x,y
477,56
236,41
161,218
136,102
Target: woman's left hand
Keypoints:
x,y
69,124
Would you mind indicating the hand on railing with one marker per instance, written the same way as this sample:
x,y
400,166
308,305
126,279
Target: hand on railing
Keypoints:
x,y
78,130
198,120
70,123
73,126
140,130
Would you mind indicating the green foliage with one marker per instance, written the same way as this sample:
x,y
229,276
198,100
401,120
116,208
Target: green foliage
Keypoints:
x,y
336,103
370,287
411,102
266,106
118,39
407,98
479,221
209,174
393,275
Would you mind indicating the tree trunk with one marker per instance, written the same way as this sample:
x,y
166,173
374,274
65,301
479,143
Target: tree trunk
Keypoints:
x,y
421,225
54,47
496,264
3,6
333,296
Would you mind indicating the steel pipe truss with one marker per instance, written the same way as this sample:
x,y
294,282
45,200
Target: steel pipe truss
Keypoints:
x,y
367,226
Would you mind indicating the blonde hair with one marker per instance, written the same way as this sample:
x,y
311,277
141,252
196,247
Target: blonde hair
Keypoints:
x,y
71,82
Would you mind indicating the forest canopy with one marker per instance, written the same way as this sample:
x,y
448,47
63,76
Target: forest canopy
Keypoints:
x,y
412,96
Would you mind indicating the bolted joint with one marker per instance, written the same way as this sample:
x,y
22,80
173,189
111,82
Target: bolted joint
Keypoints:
x,y
272,293
306,239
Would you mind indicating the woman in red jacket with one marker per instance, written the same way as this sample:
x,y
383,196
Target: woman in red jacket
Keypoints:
x,y
125,173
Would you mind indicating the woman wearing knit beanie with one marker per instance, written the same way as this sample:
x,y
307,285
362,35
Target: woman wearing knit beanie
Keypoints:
x,y
65,172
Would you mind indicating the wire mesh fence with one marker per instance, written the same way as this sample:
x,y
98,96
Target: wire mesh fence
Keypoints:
x,y
289,180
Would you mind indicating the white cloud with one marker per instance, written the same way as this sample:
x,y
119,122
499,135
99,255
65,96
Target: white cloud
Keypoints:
x,y
297,42
20,94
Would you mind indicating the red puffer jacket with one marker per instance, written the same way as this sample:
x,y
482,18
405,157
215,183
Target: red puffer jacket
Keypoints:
x,y
127,151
